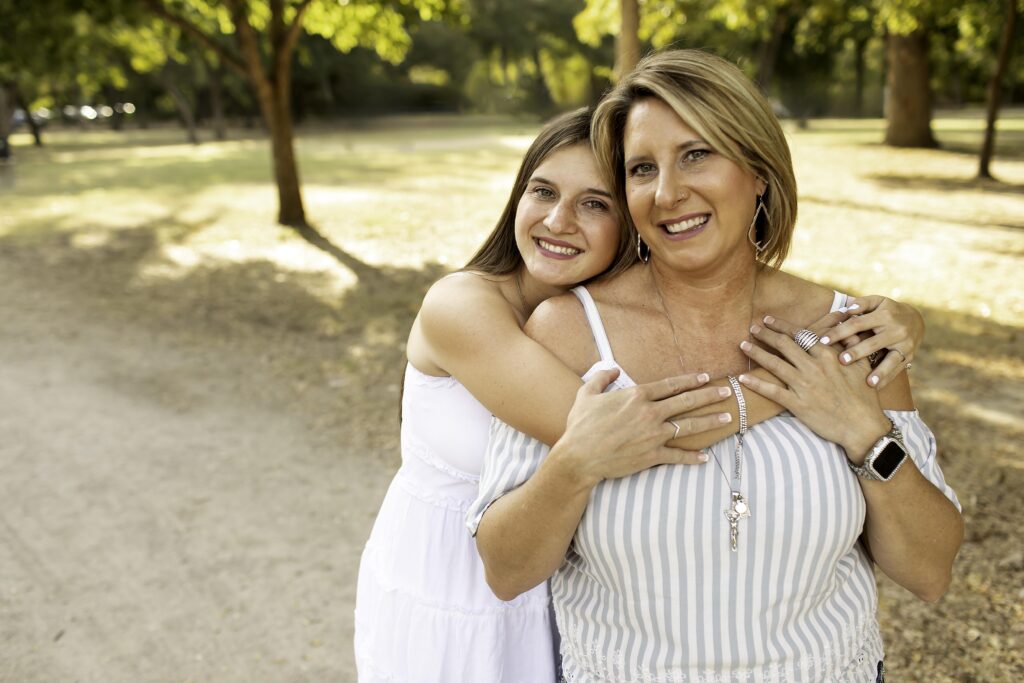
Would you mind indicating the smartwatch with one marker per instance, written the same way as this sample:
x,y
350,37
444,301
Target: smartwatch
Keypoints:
x,y
885,458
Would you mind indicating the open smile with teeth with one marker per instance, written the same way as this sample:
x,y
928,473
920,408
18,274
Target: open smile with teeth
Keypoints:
x,y
683,226
558,249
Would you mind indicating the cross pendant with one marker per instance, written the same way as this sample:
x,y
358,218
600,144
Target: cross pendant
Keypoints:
x,y
734,513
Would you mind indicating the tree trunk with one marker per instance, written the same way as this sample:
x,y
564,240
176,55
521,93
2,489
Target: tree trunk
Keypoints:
x,y
542,96
908,93
995,90
6,110
220,130
627,47
19,101
769,53
188,117
858,65
277,117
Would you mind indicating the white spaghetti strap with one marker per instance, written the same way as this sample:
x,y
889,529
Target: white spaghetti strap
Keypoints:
x,y
596,326
838,301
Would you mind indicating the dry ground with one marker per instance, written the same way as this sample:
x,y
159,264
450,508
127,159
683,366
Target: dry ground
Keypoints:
x,y
198,411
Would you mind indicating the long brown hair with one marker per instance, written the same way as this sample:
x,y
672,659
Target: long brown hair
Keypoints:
x,y
499,254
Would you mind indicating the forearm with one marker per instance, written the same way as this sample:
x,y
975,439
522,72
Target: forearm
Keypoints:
x,y
913,531
524,536
759,409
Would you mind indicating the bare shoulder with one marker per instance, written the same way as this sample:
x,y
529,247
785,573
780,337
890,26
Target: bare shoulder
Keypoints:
x,y
796,299
459,315
560,325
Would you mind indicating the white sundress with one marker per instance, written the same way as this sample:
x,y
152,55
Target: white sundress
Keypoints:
x,y
424,612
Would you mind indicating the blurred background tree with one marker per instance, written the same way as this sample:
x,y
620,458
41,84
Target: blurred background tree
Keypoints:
x,y
212,64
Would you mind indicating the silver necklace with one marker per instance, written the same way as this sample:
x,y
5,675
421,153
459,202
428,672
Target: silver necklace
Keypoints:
x,y
738,508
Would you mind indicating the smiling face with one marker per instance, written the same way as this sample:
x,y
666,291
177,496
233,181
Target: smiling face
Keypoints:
x,y
566,228
691,205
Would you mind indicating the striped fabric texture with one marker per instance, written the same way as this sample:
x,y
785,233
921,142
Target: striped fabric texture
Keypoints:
x,y
650,591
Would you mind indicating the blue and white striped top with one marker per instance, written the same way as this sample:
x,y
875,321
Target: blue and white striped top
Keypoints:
x,y
650,592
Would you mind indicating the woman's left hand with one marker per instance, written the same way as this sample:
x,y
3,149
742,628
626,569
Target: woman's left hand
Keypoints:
x,y
831,398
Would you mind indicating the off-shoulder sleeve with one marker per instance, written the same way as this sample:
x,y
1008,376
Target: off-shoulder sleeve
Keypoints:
x,y
511,458
920,443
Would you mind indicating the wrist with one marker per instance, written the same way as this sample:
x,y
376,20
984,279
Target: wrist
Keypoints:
x,y
863,439
566,466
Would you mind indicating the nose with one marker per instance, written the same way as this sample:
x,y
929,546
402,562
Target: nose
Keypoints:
x,y
560,218
670,191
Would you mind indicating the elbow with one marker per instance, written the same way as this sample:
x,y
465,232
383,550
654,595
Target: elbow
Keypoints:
x,y
932,593
503,589
934,587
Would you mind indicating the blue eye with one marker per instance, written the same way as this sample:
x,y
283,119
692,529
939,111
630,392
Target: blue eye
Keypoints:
x,y
542,193
595,205
697,155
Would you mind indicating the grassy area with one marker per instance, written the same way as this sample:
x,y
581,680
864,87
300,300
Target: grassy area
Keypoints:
x,y
172,230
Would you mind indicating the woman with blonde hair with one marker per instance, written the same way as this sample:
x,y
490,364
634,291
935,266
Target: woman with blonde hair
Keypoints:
x,y
757,564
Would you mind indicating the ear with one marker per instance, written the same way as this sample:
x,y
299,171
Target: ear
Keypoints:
x,y
762,186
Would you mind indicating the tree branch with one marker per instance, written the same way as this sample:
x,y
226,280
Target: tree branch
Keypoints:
x,y
291,37
227,57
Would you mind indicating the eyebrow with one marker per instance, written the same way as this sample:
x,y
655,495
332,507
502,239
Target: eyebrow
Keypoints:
x,y
681,147
589,190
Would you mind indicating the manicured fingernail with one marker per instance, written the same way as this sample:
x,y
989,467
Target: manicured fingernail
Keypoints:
x,y
825,340
745,345
754,329
846,357
742,378
874,380
703,377
703,457
724,391
855,307
768,320
725,417
842,309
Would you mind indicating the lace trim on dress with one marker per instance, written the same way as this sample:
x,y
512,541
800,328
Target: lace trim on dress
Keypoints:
x,y
599,666
423,452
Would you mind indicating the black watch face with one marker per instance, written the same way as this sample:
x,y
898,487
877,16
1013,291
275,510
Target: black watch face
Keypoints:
x,y
888,460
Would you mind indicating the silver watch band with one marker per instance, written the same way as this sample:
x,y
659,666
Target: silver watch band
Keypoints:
x,y
869,471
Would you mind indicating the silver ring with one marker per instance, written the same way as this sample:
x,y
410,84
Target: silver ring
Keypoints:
x,y
805,339
903,359
676,435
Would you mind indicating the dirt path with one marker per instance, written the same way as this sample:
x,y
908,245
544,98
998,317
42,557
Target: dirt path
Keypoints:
x,y
168,513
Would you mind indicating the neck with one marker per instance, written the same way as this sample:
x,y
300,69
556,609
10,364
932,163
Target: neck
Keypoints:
x,y
528,292
720,294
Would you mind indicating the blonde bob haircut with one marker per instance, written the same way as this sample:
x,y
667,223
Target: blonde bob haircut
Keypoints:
x,y
725,108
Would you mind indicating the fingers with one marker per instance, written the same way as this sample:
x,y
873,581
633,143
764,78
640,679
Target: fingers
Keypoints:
x,y
779,335
855,325
666,455
889,369
599,382
864,304
825,323
687,401
697,425
773,364
861,349
772,392
671,386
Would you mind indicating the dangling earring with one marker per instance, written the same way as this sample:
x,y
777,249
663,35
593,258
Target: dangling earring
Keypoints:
x,y
752,230
640,249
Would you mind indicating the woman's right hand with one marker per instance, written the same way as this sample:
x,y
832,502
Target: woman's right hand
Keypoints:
x,y
619,433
